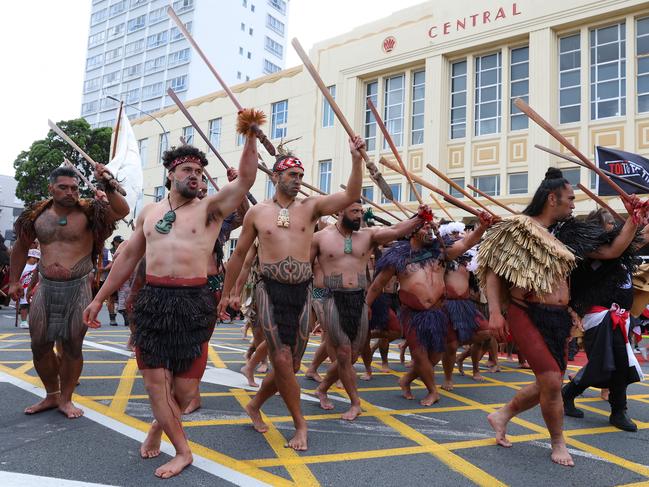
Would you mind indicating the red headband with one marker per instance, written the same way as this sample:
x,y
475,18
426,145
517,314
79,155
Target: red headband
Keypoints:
x,y
181,160
287,163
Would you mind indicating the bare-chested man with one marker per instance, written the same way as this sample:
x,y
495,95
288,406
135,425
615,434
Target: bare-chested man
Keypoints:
x,y
419,266
175,311
343,251
71,232
520,260
284,226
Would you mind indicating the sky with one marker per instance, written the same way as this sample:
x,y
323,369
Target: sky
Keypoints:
x,y
44,50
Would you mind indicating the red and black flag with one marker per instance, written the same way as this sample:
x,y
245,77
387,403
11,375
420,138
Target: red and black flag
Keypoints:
x,y
627,166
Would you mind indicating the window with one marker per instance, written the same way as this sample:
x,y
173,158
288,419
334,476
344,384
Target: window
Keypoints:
x,y
151,91
175,34
569,79
188,134
458,99
141,147
607,72
279,5
327,111
137,3
111,78
113,55
240,51
593,180
368,192
178,84
250,31
132,96
275,25
106,123
454,192
371,90
487,94
279,119
232,244
518,183
274,47
244,3
116,30
98,16
117,8
642,53
178,57
417,116
154,65
238,74
393,108
324,180
107,104
94,61
572,175
487,184
519,74
243,26
97,38
182,5
270,68
240,140
270,188
215,132
91,85
411,194
159,193
136,24
156,40
252,7
157,15
163,144
89,107
132,71
134,47
249,57
396,193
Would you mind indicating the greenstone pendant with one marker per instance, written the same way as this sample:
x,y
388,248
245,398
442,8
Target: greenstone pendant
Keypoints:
x,y
63,221
348,245
164,225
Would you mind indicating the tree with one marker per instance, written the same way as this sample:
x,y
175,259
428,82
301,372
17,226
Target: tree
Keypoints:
x,y
34,166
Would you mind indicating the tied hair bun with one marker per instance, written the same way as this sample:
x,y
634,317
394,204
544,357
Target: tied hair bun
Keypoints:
x,y
553,173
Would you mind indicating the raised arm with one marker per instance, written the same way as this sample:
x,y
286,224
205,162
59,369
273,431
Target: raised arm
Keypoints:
x,y
117,206
333,203
619,244
381,236
461,246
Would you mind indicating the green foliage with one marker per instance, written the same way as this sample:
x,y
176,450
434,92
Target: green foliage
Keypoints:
x,y
34,166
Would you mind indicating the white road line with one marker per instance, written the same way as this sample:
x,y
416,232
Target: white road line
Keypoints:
x,y
14,479
200,462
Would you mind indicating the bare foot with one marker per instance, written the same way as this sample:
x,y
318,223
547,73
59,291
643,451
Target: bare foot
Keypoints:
x,y
150,447
50,402
477,376
561,456
460,366
250,375
604,394
263,368
255,416
430,399
193,405
385,367
364,376
298,442
325,402
498,422
70,410
494,368
175,466
405,389
352,413
309,374
524,365
447,385
339,384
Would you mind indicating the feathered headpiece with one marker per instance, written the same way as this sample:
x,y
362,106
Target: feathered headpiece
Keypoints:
x,y
452,227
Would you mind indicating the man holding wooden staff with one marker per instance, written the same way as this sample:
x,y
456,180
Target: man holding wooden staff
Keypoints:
x,y
284,226
175,311
71,232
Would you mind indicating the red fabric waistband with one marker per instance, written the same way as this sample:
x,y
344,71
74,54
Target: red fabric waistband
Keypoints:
x,y
168,281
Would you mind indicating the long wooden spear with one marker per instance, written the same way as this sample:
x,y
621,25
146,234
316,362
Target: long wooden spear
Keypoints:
x,y
111,180
258,132
117,126
578,162
375,205
459,188
441,206
451,199
393,147
493,200
371,167
91,186
600,202
545,125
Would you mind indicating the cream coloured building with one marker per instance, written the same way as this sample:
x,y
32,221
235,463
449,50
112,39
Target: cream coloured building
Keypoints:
x,y
443,75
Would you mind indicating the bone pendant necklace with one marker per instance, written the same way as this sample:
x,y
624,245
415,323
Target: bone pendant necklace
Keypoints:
x,y
283,217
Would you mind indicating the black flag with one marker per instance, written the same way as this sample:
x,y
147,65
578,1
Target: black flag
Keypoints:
x,y
629,166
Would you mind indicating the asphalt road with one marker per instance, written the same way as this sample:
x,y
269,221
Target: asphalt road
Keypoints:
x,y
394,442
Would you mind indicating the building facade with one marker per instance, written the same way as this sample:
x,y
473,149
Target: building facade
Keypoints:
x,y
444,76
135,51
10,207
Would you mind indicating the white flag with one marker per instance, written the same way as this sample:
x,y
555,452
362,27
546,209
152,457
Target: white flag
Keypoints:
x,y
126,166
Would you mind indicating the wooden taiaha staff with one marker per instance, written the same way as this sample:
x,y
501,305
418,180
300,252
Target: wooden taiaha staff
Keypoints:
x,y
375,205
451,199
258,132
600,202
110,179
459,188
441,206
545,125
371,167
492,199
393,147
117,126
91,186
578,162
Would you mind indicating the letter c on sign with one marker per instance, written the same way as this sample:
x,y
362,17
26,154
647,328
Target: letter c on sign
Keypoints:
x,y
430,32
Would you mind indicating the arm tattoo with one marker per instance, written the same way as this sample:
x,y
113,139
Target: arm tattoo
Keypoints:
x,y
333,281
287,270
